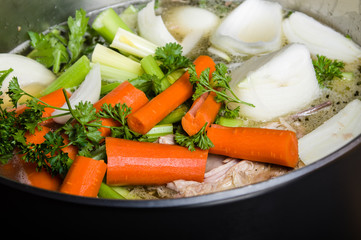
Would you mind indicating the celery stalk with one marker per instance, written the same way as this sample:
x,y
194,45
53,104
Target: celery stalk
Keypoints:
x,y
133,44
151,66
176,115
130,16
160,130
111,74
125,192
106,191
107,24
230,122
109,87
71,77
111,58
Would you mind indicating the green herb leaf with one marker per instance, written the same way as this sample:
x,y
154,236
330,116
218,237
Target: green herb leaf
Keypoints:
x,y
200,139
77,29
327,69
171,57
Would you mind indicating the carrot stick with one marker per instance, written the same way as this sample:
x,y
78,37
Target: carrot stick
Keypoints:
x,y
124,93
55,99
145,163
257,144
203,110
84,177
159,107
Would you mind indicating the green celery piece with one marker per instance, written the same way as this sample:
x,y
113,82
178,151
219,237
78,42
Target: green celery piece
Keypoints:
x,y
106,191
176,115
72,77
106,88
160,130
151,66
107,24
125,192
111,74
230,122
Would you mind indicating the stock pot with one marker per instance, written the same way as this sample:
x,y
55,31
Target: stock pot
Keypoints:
x,y
320,200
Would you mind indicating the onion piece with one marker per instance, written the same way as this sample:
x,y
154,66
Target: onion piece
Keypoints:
x,y
28,71
332,134
89,90
320,39
254,27
152,28
277,83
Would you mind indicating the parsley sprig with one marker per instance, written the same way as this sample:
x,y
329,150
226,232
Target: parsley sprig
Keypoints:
x,y
327,69
199,139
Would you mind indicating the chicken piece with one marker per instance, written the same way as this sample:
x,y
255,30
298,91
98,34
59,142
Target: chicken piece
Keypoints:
x,y
234,173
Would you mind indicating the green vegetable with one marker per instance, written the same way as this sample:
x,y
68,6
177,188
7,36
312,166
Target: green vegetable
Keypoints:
x,y
200,139
176,115
107,24
72,77
327,69
171,57
106,191
63,45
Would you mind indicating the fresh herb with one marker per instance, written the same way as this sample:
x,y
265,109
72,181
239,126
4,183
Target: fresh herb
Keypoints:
x,y
199,139
327,69
218,84
171,57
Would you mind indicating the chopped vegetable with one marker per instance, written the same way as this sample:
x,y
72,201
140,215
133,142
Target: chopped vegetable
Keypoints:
x,y
111,58
254,27
255,144
332,134
84,177
200,139
72,77
320,39
160,106
107,23
138,163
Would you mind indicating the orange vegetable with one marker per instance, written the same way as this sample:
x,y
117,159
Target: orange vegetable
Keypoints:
x,y
203,110
257,144
84,177
124,93
159,107
144,163
55,99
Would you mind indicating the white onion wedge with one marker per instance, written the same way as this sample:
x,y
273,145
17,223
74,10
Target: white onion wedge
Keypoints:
x,y
88,91
254,27
152,28
277,83
28,71
320,39
190,24
332,134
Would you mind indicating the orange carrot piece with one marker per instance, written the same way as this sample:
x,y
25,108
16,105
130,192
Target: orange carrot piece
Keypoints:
x,y
145,163
203,110
257,144
159,107
71,150
41,179
55,99
124,93
38,136
84,177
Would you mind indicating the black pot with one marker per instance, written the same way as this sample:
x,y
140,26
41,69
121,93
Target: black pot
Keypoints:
x,y
322,200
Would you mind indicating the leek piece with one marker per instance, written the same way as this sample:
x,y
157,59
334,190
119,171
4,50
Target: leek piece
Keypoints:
x,y
230,122
108,192
111,74
107,24
72,77
332,134
133,44
176,115
108,57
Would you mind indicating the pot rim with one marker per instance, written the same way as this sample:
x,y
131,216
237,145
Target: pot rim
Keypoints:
x,y
231,195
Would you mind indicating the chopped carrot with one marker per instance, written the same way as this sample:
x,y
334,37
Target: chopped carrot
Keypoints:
x,y
84,177
71,150
257,144
124,93
38,136
145,163
203,110
55,99
159,107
